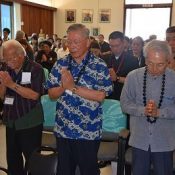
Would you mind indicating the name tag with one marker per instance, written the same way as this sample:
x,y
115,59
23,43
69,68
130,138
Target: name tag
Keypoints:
x,y
26,78
9,100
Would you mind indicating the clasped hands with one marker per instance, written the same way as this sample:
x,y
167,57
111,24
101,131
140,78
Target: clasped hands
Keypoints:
x,y
5,79
113,75
151,109
67,79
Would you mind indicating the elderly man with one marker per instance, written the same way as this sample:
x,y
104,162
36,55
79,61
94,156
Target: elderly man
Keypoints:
x,y
80,83
22,111
149,97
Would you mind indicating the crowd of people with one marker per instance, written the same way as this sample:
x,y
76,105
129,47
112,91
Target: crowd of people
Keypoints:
x,y
83,71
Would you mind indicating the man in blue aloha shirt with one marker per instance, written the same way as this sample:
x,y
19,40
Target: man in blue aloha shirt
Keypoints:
x,y
80,83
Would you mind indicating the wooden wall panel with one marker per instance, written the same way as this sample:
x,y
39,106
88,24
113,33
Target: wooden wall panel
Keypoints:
x,y
35,18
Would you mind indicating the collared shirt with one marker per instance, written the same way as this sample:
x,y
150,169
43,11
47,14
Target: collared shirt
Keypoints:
x,y
160,136
25,113
122,66
61,53
77,117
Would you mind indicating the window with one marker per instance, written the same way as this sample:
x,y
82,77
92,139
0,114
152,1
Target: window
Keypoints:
x,y
5,11
147,19
147,1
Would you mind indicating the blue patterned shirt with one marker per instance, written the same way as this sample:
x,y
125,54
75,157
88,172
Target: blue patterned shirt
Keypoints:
x,y
77,117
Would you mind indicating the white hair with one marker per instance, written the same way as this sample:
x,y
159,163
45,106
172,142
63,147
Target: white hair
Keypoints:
x,y
14,44
158,46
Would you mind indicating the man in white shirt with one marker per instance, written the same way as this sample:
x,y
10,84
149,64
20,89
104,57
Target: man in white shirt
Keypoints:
x,y
63,51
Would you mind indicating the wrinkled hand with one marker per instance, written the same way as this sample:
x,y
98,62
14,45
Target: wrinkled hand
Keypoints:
x,y
112,74
67,79
151,109
5,79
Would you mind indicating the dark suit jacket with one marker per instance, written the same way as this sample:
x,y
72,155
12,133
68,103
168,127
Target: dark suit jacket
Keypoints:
x,y
122,66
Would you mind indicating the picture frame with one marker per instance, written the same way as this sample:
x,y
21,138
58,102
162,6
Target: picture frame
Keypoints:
x,y
104,15
87,15
95,31
70,15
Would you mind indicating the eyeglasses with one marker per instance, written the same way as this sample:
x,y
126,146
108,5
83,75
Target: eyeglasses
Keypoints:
x,y
75,42
9,60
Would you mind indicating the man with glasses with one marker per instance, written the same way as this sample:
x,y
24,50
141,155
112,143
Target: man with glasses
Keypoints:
x,y
120,63
79,82
148,96
21,86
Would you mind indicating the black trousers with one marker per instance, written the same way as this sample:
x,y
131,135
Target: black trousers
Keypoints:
x,y
21,142
73,153
162,162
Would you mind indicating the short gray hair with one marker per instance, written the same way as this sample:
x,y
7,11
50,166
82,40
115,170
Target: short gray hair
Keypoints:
x,y
158,46
19,49
79,27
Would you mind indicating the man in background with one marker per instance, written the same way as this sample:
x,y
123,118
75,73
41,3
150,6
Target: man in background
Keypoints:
x,y
120,63
63,51
104,46
6,32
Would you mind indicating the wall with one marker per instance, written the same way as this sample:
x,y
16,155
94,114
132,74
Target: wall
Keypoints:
x,y
36,18
105,28
43,2
173,15
116,7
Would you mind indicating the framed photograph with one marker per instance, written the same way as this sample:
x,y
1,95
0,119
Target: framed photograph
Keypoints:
x,y
70,15
95,31
104,15
87,15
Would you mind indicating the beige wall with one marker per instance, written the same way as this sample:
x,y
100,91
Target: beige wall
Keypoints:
x,y
116,7
173,14
105,28
117,12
